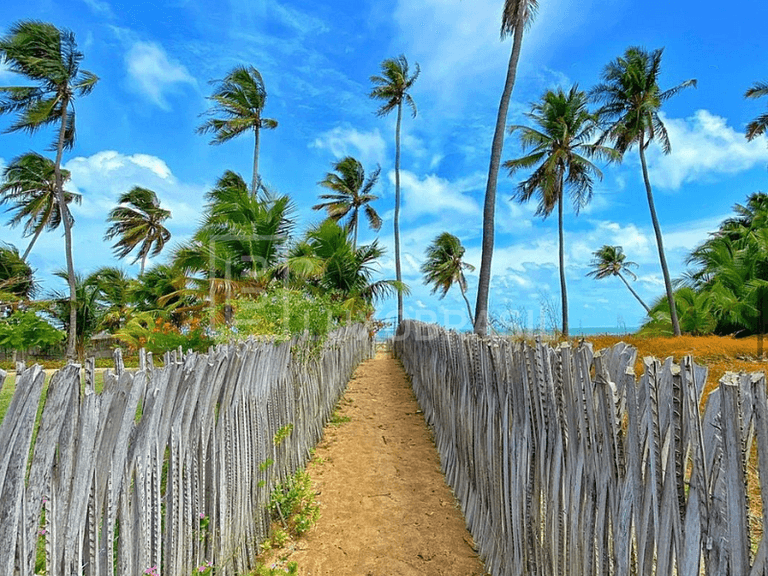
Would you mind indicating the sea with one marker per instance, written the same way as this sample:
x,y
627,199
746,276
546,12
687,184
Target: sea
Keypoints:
x,y
388,332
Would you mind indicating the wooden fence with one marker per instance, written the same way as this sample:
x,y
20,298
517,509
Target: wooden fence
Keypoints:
x,y
168,468
565,464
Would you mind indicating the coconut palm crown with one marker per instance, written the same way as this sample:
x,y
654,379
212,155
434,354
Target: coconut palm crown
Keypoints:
x,y
29,187
611,261
350,191
239,101
444,267
137,222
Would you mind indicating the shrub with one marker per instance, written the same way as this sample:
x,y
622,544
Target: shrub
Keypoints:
x,y
284,313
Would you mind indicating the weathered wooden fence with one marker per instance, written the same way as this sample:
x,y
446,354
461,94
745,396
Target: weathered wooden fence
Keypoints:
x,y
167,468
564,464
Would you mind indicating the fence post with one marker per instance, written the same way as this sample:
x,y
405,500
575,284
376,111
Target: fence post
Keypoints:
x,y
738,528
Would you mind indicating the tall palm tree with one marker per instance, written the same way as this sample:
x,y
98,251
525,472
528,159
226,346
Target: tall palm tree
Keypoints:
x,y
517,15
350,191
444,267
392,88
760,124
559,150
137,222
49,57
611,261
239,100
29,186
631,99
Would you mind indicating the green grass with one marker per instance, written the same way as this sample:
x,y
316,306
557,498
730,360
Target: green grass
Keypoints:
x,y
6,393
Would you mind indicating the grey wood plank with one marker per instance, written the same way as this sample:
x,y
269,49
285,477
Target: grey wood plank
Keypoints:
x,y
738,540
29,385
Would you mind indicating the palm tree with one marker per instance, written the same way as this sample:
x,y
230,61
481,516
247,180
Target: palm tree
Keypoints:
x,y
17,281
239,100
49,57
350,192
29,186
89,310
760,124
115,293
444,267
240,242
517,15
631,100
164,288
559,148
392,88
749,218
137,222
611,261
694,308
331,264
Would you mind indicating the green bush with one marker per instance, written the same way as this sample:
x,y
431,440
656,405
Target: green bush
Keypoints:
x,y
284,313
157,334
25,330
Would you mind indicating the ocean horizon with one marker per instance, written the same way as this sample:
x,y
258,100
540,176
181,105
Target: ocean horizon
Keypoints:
x,y
388,332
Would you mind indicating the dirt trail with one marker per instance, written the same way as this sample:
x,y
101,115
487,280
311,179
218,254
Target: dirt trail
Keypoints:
x,y
385,507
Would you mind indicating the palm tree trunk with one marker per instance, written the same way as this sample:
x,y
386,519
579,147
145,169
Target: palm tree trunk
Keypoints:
x,y
255,179
563,289
32,243
648,310
659,242
469,308
143,263
72,337
354,222
398,272
489,208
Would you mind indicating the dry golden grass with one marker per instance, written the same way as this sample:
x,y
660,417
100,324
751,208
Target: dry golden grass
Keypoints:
x,y
720,354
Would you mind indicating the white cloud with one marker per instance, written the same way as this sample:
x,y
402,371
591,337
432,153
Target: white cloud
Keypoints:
x,y
100,8
458,44
436,195
368,147
451,36
686,236
300,22
153,74
703,146
102,177
638,244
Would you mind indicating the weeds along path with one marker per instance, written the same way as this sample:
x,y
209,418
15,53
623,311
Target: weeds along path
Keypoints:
x,y
385,507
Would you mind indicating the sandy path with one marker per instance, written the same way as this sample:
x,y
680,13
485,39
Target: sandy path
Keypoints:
x,y
385,507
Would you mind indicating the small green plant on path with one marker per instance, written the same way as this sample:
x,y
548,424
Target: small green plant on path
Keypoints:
x,y
294,500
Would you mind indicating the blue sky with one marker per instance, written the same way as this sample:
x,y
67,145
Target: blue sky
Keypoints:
x,y
155,61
